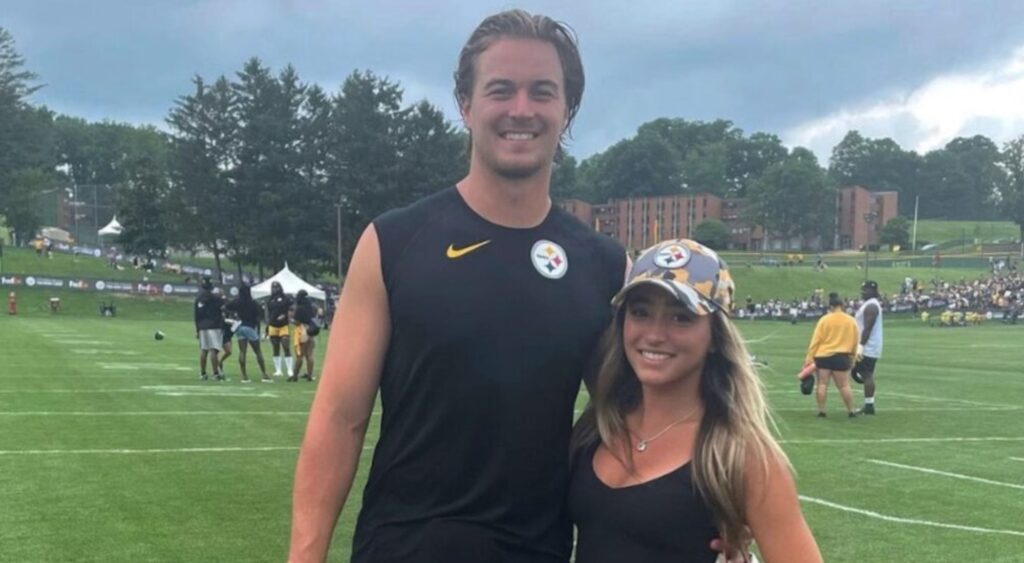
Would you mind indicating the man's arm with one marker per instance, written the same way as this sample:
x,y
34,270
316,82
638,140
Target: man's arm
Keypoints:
x,y
341,409
870,316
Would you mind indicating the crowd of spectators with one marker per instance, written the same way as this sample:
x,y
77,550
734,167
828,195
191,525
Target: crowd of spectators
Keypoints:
x,y
996,296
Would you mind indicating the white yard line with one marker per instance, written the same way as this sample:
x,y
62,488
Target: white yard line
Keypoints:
x,y
950,400
76,391
222,394
151,451
217,389
93,352
158,413
157,451
945,474
901,440
913,521
1017,458
86,342
151,413
914,409
131,366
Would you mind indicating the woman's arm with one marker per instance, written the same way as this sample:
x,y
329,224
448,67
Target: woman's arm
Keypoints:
x,y
774,515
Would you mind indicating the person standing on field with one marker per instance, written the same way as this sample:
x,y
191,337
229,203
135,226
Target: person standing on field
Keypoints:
x,y
869,349
209,321
832,349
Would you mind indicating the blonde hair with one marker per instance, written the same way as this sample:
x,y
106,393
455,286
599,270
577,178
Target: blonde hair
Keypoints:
x,y
734,429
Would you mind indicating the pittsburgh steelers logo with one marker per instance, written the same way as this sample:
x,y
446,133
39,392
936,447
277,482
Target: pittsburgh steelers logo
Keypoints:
x,y
672,257
549,259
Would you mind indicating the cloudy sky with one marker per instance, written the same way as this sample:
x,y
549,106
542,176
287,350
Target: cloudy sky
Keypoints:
x,y
806,70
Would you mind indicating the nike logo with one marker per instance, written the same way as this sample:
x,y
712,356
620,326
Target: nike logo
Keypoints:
x,y
454,253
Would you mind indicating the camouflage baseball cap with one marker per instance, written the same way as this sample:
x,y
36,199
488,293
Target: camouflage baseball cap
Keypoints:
x,y
687,269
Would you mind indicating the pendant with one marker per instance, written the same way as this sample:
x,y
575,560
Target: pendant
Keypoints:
x,y
641,446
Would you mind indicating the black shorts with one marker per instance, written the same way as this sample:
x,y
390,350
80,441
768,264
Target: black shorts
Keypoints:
x,y
865,367
838,362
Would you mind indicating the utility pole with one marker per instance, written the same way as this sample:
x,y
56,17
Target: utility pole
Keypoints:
x,y
337,208
869,219
913,236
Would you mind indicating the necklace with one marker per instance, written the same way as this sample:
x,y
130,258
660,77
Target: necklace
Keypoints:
x,y
641,445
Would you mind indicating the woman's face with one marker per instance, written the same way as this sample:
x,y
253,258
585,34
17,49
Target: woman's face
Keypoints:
x,y
664,341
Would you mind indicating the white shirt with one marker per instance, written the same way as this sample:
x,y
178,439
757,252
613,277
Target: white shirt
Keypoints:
x,y
873,348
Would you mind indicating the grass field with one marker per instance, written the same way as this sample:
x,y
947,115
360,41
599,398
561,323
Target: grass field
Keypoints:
x,y
938,232
113,451
760,282
25,261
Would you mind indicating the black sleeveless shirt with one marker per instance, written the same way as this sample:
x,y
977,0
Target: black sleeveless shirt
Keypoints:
x,y
491,328
664,520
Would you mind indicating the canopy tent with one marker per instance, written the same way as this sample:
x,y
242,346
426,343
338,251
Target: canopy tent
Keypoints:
x,y
112,228
56,234
290,283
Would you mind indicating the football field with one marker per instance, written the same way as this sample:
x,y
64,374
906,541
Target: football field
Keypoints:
x,y
112,450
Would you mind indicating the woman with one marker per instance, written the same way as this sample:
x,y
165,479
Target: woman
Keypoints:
x,y
674,449
832,349
246,310
304,336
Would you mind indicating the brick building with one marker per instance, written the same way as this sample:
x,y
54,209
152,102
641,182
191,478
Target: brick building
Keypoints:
x,y
640,222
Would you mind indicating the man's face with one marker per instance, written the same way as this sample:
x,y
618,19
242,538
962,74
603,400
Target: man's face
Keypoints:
x,y
516,112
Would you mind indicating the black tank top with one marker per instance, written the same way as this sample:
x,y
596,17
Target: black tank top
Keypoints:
x,y
491,328
664,520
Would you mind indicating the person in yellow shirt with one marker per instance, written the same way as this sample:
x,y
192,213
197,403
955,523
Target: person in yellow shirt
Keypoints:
x,y
832,349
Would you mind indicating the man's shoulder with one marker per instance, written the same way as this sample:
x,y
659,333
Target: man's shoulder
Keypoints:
x,y
421,208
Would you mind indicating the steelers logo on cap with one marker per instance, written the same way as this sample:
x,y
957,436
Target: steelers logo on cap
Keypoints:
x,y
672,256
549,259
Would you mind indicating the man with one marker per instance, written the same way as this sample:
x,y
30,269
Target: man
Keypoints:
x,y
277,327
474,311
869,349
209,320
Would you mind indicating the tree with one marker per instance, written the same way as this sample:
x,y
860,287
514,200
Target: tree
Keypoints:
x,y
750,157
1012,190
676,156
794,198
141,203
978,160
646,165
21,206
712,233
25,142
203,156
15,83
896,232
565,180
878,165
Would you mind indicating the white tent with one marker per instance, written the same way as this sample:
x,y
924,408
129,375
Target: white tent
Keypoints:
x,y
290,283
112,228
